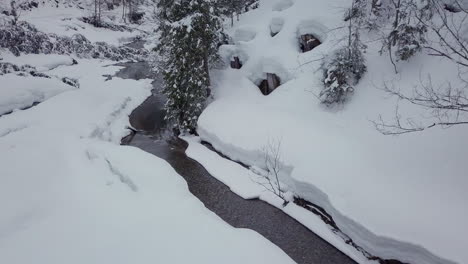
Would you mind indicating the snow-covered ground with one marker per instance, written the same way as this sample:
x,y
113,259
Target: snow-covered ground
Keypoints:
x,y
65,21
397,197
42,62
70,193
18,92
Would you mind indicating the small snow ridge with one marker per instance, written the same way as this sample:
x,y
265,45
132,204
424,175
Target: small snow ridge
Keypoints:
x,y
244,34
282,5
276,25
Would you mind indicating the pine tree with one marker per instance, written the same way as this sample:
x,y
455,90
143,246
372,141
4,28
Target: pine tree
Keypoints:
x,y
347,64
189,40
231,7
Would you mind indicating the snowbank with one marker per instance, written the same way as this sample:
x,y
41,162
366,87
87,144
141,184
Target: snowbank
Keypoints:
x,y
243,182
18,92
391,195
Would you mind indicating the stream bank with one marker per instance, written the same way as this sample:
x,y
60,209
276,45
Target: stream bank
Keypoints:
x,y
301,244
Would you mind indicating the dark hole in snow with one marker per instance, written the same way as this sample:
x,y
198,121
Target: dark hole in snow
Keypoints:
x,y
236,63
269,84
308,42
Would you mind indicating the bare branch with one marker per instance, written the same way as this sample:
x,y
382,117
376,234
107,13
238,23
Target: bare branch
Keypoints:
x,y
273,166
446,104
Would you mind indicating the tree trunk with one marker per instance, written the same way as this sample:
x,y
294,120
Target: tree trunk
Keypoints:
x,y
207,69
123,12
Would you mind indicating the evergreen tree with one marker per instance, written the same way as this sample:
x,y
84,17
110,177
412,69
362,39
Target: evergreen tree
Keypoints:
x,y
230,7
347,65
401,21
189,40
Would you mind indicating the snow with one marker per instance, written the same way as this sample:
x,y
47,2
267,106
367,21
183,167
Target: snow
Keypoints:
x,y
18,92
397,197
42,62
276,25
313,27
243,182
71,194
269,65
65,21
230,173
282,5
244,34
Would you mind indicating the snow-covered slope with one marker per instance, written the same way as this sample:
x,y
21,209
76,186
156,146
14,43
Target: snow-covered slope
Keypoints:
x,y
397,197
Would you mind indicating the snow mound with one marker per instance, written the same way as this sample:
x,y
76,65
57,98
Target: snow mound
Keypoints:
x,y
228,52
283,5
276,25
269,65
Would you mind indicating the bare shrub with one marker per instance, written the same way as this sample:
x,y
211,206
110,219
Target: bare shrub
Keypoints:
x,y
272,165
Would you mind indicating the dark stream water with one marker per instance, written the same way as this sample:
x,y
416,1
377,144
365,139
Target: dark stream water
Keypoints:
x,y
293,238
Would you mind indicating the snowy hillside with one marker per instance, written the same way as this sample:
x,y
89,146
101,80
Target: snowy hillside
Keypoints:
x,y
397,197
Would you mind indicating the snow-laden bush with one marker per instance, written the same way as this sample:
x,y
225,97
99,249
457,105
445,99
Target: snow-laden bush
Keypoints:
x,y
341,73
25,38
403,25
408,40
346,66
6,67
